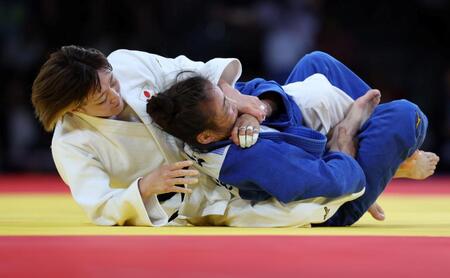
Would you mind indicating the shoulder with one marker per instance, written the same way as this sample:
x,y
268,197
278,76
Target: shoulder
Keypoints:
x,y
126,53
124,58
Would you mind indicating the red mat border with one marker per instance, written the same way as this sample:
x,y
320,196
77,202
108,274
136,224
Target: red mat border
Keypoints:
x,y
43,183
222,256
32,183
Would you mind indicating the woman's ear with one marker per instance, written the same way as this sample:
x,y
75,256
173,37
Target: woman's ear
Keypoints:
x,y
206,137
76,108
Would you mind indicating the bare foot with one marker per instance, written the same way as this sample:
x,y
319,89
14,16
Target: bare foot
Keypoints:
x,y
377,212
360,111
418,166
358,114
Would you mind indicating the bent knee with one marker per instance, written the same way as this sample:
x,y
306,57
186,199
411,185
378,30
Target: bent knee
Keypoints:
x,y
412,120
318,56
403,105
406,111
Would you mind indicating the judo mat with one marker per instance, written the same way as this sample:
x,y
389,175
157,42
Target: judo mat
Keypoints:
x,y
43,233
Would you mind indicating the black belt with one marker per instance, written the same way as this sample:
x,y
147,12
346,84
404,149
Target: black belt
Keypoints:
x,y
166,196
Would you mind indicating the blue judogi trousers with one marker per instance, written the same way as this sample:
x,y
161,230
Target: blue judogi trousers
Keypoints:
x,y
393,132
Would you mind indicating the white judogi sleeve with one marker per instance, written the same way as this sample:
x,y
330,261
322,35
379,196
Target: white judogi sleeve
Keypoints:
x,y
135,68
103,205
97,158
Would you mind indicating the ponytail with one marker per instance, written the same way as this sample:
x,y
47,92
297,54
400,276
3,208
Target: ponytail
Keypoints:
x,y
161,109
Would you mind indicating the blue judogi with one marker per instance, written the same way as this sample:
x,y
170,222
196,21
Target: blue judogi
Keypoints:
x,y
393,132
293,164
289,165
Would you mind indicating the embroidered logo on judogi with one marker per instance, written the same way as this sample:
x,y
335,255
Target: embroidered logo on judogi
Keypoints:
x,y
418,120
327,210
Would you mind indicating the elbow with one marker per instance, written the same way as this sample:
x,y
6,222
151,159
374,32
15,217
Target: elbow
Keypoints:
x,y
351,185
101,221
98,216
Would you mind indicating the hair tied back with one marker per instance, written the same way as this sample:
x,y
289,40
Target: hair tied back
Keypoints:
x,y
161,108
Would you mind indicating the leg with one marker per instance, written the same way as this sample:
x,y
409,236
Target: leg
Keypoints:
x,y
337,73
358,114
419,166
393,133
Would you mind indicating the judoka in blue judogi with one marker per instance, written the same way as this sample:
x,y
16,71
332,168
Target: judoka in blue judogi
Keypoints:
x,y
290,161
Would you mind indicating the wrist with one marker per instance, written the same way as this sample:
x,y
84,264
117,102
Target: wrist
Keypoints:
x,y
267,107
143,190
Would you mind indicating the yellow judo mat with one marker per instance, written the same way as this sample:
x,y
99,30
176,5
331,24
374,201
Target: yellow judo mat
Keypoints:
x,y
43,233
57,214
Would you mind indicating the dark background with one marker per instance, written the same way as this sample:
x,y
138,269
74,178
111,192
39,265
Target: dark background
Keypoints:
x,y
399,47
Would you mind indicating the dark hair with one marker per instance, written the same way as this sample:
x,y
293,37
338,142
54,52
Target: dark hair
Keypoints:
x,y
182,110
66,79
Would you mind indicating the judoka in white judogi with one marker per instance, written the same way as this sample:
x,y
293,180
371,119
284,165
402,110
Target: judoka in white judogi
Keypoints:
x,y
102,159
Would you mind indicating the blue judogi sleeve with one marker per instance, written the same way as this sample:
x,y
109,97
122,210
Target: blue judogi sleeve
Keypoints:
x,y
288,113
287,172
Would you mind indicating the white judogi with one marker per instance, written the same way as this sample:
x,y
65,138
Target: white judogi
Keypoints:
x,y
322,105
102,159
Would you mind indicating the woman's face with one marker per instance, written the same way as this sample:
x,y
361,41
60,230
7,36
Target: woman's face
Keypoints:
x,y
106,102
225,112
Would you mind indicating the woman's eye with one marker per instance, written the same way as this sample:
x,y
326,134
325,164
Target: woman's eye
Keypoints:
x,y
100,103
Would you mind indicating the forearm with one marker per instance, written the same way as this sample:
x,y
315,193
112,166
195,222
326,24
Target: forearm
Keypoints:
x,y
92,191
119,206
126,207
288,173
